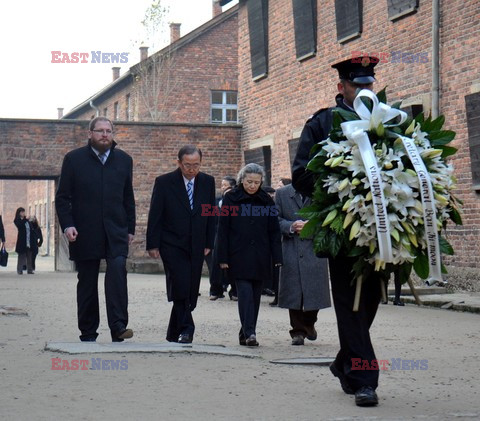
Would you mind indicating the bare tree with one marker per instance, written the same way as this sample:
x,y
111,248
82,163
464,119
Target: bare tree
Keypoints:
x,y
155,78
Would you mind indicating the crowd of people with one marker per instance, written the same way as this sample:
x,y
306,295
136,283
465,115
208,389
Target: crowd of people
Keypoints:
x,y
249,237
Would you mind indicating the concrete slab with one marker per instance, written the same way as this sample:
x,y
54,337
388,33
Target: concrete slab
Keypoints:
x,y
12,311
96,348
306,361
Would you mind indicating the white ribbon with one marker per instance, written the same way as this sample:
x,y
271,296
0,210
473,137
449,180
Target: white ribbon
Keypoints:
x,y
356,132
429,212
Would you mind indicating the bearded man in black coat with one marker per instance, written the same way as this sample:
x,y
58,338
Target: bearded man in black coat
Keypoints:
x,y
181,230
96,208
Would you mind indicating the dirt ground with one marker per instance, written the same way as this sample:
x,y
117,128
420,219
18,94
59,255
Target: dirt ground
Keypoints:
x,y
182,386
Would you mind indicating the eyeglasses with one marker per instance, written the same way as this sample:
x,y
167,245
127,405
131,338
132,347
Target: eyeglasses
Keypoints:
x,y
191,166
107,132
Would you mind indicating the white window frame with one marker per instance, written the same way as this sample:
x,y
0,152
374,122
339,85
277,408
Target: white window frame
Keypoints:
x,y
223,106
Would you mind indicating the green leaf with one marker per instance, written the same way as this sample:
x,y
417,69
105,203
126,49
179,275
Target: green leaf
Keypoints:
x,y
456,217
316,164
445,246
420,264
309,228
357,251
397,105
336,241
337,120
447,150
310,212
382,95
347,115
337,224
321,242
437,124
444,269
420,118
441,137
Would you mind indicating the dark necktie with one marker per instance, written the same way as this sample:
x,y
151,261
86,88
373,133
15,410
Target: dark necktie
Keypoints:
x,y
190,193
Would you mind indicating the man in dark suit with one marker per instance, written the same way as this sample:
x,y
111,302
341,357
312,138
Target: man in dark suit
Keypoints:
x,y
182,233
96,209
2,231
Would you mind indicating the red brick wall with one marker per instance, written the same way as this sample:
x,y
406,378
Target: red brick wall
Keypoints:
x,y
35,149
280,104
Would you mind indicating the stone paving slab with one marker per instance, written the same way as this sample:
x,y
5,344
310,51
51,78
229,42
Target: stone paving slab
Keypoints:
x,y
95,348
12,311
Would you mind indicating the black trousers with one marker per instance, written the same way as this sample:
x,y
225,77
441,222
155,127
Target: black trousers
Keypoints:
x,y
249,294
181,320
353,327
116,296
302,322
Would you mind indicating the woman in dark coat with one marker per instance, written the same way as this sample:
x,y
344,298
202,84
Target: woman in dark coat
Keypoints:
x,y
36,239
23,242
248,241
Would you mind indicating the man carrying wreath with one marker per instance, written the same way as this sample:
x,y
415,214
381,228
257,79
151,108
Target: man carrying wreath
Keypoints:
x,y
353,326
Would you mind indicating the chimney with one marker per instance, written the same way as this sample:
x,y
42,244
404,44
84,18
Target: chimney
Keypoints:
x,y
174,32
60,113
216,8
116,72
143,53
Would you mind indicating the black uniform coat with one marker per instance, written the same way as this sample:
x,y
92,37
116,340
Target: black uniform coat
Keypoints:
x,y
97,199
21,245
250,241
315,130
180,233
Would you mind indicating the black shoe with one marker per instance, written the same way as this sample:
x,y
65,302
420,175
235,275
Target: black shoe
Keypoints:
x,y
343,380
268,292
185,338
313,335
122,334
385,302
398,303
251,341
88,340
366,396
298,340
242,341
274,303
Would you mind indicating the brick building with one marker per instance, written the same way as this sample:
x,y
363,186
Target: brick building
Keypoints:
x,y
193,79
286,48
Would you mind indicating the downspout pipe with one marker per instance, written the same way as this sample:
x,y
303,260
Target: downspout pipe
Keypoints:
x,y
97,111
435,58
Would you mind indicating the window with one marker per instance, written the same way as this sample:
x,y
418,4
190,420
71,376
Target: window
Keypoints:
x,y
400,8
258,29
105,112
115,111
472,104
348,14
305,23
127,107
224,107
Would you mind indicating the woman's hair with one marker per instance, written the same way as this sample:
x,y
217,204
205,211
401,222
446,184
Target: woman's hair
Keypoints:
x,y
230,180
17,213
34,220
250,169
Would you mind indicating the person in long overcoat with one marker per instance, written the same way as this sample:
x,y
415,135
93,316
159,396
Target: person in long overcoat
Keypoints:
x,y
248,242
303,287
36,239
182,232
2,231
96,208
22,247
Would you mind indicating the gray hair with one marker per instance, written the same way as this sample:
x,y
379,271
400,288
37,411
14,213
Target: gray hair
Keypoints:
x,y
250,169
